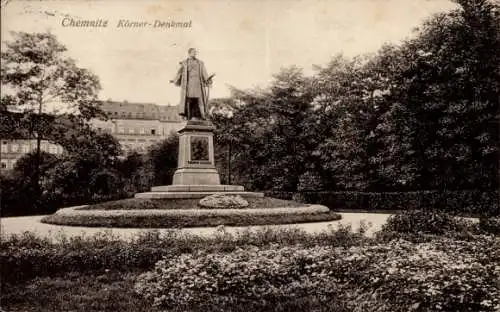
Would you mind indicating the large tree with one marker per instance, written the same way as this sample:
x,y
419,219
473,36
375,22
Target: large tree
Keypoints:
x,y
226,138
38,80
443,121
340,153
268,132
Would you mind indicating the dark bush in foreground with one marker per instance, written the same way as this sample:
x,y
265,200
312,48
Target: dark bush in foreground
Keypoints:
x,y
445,274
463,202
114,291
27,256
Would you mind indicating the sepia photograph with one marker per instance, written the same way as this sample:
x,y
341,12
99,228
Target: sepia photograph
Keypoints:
x,y
250,155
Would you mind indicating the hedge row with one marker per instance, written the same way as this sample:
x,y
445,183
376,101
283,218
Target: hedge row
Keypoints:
x,y
27,256
463,202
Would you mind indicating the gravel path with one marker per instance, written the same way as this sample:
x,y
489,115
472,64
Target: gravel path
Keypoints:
x,y
18,225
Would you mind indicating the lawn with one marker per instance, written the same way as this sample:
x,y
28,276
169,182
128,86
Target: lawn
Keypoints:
x,y
72,291
143,203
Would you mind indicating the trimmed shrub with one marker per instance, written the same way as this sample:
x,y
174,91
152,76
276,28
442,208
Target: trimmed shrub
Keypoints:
x,y
490,225
426,222
27,256
466,202
280,195
444,274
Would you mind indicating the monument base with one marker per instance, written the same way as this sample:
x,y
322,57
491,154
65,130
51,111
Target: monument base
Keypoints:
x,y
196,176
197,188
195,191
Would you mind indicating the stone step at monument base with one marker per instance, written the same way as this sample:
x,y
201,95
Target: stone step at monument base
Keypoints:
x,y
194,176
194,194
197,188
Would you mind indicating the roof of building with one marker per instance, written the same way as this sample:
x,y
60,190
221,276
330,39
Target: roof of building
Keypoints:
x,y
129,110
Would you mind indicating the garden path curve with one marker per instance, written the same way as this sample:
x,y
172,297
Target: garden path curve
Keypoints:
x,y
18,225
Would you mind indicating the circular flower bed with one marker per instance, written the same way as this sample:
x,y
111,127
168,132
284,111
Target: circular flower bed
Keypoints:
x,y
161,214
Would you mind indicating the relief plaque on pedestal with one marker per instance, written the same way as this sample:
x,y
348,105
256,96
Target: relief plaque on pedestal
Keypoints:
x,y
200,150
196,155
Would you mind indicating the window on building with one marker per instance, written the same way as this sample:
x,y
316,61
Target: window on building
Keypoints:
x,y
4,165
121,130
153,131
142,131
26,148
4,147
14,147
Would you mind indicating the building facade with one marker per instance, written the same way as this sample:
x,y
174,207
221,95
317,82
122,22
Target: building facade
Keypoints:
x,y
136,126
12,150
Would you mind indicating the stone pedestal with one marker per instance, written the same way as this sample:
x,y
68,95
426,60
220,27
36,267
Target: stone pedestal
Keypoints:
x,y
196,164
196,175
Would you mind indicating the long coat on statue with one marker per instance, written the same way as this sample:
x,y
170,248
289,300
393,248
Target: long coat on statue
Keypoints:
x,y
192,77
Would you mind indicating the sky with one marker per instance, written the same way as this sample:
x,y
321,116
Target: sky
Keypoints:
x,y
244,42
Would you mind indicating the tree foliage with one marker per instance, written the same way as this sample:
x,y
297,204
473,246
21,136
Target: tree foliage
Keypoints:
x,y
39,82
36,73
162,160
419,115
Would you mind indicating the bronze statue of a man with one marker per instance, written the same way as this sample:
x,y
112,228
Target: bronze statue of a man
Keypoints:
x,y
194,81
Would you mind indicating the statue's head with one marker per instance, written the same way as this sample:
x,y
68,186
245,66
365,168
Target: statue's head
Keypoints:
x,y
192,52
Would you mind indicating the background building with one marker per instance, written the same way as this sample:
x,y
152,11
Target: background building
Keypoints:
x,y
136,126
12,150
